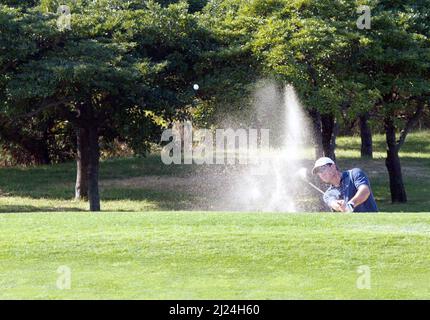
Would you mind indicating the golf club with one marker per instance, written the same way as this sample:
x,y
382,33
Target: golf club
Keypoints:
x,y
303,174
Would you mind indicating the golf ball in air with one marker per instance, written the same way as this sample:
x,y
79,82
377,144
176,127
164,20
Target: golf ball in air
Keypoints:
x,y
196,87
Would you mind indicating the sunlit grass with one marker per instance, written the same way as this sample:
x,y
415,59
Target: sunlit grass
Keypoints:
x,y
201,255
417,146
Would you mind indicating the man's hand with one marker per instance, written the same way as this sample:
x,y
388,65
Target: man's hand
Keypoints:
x,y
339,205
361,196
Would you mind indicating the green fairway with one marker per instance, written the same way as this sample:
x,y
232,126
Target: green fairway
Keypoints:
x,y
203,255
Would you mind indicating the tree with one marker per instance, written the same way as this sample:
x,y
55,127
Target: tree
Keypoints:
x,y
391,57
115,69
227,71
366,136
307,44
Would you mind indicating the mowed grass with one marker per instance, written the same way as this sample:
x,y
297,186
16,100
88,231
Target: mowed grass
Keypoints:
x,y
202,255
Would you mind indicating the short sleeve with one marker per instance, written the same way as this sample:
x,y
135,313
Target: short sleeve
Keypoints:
x,y
359,178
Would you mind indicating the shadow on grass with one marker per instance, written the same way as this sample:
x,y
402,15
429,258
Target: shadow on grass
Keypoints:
x,y
158,199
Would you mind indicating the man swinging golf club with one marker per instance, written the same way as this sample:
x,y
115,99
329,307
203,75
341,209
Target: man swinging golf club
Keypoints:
x,y
349,191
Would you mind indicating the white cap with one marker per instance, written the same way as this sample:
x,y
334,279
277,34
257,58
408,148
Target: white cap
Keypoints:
x,y
321,162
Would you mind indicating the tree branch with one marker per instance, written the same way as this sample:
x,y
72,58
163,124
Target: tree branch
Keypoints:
x,y
411,122
46,105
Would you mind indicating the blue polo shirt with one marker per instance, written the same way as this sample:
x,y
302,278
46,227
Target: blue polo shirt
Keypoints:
x,y
349,183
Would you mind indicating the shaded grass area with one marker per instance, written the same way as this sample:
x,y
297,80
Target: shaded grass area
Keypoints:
x,y
201,255
51,188
56,181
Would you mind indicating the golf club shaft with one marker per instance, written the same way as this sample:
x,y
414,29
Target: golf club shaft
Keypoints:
x,y
315,187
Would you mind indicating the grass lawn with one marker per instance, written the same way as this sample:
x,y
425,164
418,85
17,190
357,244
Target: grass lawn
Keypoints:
x,y
200,255
142,247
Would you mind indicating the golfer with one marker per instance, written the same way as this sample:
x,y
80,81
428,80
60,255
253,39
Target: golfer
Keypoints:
x,y
349,191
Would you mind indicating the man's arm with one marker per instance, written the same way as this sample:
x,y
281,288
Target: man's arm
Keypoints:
x,y
361,196
362,184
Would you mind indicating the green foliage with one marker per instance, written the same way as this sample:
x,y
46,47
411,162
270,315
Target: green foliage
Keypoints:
x,y
397,60
124,58
20,3
226,73
316,46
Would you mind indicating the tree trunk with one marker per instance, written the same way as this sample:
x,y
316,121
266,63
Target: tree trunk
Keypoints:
x,y
82,159
324,130
88,160
93,169
328,134
392,162
314,114
366,137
